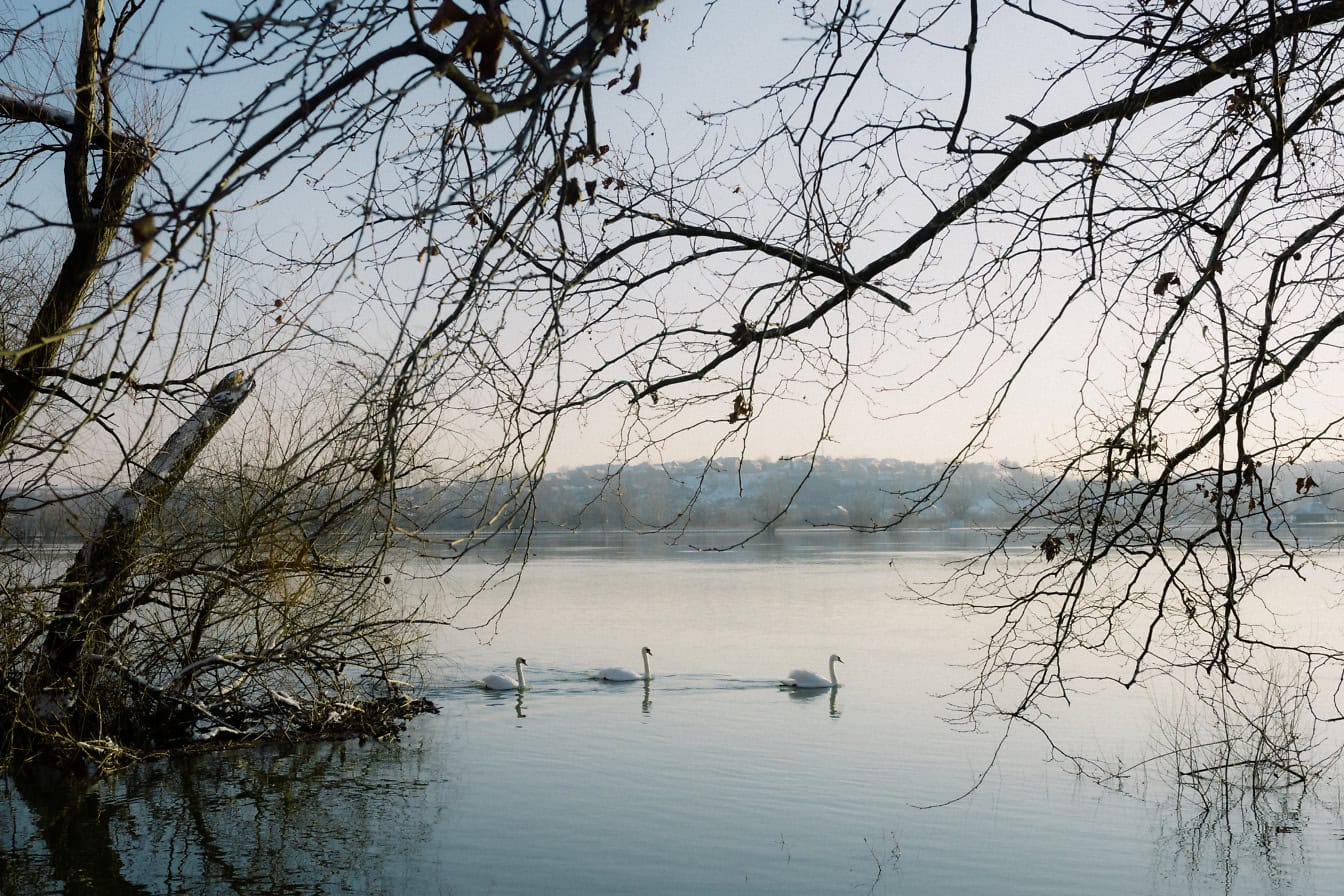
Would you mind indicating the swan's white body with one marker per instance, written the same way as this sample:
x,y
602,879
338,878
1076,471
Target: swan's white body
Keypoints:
x,y
801,678
496,682
616,673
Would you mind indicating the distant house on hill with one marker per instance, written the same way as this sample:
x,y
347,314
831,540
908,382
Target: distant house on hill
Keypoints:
x,y
1314,511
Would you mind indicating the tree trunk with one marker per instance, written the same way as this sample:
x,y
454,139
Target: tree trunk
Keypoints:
x,y
95,216
87,604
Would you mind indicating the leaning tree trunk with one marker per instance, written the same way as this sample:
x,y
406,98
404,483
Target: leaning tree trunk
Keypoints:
x,y
88,601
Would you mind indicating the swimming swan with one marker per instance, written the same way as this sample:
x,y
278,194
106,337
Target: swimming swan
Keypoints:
x,y
496,682
616,673
801,678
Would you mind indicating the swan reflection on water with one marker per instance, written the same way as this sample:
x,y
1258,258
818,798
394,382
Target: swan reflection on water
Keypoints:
x,y
806,694
500,698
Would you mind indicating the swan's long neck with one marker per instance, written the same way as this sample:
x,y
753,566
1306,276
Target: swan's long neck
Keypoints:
x,y
522,680
647,676
834,683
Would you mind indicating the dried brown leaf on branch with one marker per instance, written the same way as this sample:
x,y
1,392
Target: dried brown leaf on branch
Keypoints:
x,y
741,409
447,14
743,333
1051,547
143,230
1165,281
482,37
634,80
1240,103
612,21
569,193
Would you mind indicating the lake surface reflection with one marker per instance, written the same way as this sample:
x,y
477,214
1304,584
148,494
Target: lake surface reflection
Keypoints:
x,y
709,779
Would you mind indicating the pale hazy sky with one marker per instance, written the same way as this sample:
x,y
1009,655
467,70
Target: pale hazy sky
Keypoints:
x,y
692,61
687,65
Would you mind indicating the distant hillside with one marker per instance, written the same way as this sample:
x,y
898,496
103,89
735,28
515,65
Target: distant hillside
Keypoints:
x,y
695,494
856,492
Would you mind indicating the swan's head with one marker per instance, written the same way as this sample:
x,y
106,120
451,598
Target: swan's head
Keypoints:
x,y
835,658
647,652
520,661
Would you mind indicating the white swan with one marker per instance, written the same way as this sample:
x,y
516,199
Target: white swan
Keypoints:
x,y
801,678
496,682
616,673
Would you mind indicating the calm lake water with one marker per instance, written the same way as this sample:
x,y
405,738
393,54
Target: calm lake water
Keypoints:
x,y
709,780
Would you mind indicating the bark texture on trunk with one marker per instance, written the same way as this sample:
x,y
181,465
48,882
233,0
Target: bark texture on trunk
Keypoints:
x,y
89,586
